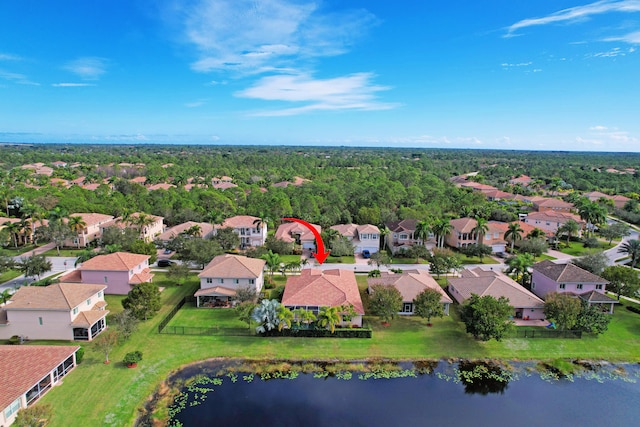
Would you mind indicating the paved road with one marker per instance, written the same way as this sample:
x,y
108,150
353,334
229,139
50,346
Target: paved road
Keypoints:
x,y
58,265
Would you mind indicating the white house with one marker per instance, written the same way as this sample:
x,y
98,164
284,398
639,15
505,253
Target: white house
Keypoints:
x,y
224,275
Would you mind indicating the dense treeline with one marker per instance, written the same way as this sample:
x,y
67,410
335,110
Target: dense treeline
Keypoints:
x,y
363,185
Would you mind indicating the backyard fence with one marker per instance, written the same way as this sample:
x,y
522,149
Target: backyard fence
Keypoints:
x,y
173,312
197,330
547,333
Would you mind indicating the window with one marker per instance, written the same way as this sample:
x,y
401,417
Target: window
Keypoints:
x,y
407,307
106,279
374,236
579,286
12,409
404,236
209,280
75,311
236,281
100,294
533,285
89,301
599,287
561,286
40,320
252,281
220,280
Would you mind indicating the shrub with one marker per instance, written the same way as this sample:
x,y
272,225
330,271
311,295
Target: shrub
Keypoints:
x,y
79,355
633,309
277,293
14,340
591,242
132,357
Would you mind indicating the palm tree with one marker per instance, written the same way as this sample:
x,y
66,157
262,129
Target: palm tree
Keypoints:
x,y
536,233
273,261
57,214
441,228
519,266
260,222
570,228
285,317
329,317
5,296
14,229
423,229
481,228
631,248
593,214
26,230
142,221
513,233
385,235
194,231
302,315
77,224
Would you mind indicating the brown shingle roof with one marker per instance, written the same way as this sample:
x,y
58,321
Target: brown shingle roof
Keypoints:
x,y
404,225
410,284
233,267
328,288
496,284
85,319
28,365
59,296
118,261
463,225
218,290
93,218
566,273
170,233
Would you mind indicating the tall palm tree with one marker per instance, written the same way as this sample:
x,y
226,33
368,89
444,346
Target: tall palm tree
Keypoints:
x,y
481,228
519,266
57,214
329,317
593,214
142,221
26,230
441,228
631,248
273,261
285,317
423,229
570,228
536,233
14,229
513,233
385,236
77,225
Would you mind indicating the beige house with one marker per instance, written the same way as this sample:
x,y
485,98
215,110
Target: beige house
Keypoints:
x,y
526,305
148,232
94,223
543,204
410,283
224,275
251,229
363,237
30,371
401,234
550,221
296,233
206,230
62,311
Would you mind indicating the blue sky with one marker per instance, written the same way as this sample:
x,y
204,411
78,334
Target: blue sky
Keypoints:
x,y
543,75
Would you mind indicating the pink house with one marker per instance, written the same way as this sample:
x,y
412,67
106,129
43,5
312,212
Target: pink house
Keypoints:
x,y
119,271
363,237
550,221
94,223
569,278
148,232
526,305
544,204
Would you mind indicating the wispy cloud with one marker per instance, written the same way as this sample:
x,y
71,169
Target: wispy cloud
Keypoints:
x,y
124,137
610,135
577,14
9,57
631,38
17,78
197,103
520,64
71,84
87,68
616,51
253,36
353,92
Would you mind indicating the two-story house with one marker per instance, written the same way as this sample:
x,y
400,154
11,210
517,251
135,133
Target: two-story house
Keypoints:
x,y
462,233
295,233
149,226
363,237
203,230
569,278
251,229
543,204
401,234
119,271
224,275
62,311
550,221
91,230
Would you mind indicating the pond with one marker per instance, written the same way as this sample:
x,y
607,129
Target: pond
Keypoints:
x,y
438,394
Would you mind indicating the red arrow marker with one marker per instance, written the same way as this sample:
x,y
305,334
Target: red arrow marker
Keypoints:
x,y
321,255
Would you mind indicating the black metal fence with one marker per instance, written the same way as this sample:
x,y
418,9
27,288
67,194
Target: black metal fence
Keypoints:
x,y
545,333
197,330
173,312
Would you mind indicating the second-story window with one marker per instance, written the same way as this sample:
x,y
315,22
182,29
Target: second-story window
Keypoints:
x,y
579,286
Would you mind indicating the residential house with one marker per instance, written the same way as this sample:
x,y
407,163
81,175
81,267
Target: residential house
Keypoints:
x,y
160,186
315,288
522,180
543,204
139,180
62,311
410,283
401,234
224,275
59,164
619,201
251,229
526,305
293,232
569,278
148,232
119,271
497,195
206,230
550,221
29,372
476,186
39,169
594,196
462,234
363,237
92,230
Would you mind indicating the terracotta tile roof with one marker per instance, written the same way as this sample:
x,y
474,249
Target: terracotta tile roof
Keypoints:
x,y
218,290
463,225
29,364
233,267
328,288
93,218
74,276
59,296
408,225
170,233
619,198
240,221
161,186
553,203
224,185
496,284
555,216
118,261
410,284
142,277
4,220
86,319
497,194
281,184
595,195
91,187
287,232
139,179
347,230
368,229
566,273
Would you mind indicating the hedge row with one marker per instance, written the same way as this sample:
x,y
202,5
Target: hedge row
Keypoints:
x,y
632,308
320,333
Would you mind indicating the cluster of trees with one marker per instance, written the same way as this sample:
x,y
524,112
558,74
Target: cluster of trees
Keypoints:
x,y
570,313
386,302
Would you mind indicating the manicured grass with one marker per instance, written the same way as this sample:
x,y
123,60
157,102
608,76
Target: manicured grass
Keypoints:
x,y
286,259
399,260
190,315
12,251
66,252
545,257
8,275
578,249
340,260
476,260
109,395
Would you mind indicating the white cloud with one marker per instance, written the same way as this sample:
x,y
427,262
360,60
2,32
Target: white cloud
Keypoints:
x,y
576,14
87,68
631,38
125,137
17,78
248,36
197,103
598,128
71,84
610,135
586,141
353,92
520,64
9,57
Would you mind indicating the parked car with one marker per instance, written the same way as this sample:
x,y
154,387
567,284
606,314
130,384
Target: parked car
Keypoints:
x,y
167,251
165,263
366,253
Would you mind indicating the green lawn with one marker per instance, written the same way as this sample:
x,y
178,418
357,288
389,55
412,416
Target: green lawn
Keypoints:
x,y
578,249
12,251
544,257
476,260
8,275
286,259
399,260
340,260
109,395
67,252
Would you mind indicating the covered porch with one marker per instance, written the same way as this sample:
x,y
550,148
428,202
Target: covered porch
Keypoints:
x,y
604,302
217,297
88,324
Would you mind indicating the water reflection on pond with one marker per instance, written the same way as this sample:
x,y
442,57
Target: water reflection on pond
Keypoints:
x,y
428,394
